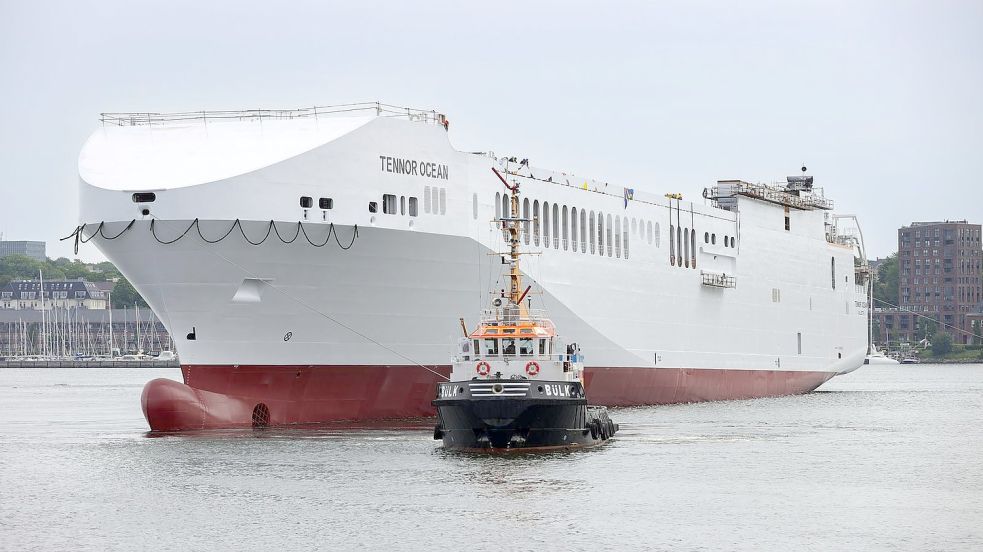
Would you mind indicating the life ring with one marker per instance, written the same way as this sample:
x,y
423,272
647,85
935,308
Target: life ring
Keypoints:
x,y
532,368
483,368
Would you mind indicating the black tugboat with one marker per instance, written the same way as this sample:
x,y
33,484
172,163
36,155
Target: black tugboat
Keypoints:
x,y
515,384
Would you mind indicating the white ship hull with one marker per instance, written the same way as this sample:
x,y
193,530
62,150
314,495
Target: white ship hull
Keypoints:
x,y
317,333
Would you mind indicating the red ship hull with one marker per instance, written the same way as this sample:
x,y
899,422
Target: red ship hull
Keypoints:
x,y
214,397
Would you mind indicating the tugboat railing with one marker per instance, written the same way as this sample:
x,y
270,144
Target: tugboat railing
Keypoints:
x,y
578,358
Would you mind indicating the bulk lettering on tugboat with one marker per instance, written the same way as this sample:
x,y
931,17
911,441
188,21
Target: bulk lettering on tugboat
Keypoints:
x,y
413,167
555,390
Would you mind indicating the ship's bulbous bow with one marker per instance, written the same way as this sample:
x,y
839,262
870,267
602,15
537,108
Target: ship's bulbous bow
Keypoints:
x,y
169,405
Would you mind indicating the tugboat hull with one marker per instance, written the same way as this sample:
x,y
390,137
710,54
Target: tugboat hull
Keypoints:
x,y
511,415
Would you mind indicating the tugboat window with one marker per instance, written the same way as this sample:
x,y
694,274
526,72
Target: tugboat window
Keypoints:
x,y
542,347
526,347
491,347
325,203
508,346
306,202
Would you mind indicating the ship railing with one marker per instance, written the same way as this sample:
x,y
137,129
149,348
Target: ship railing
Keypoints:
x,y
720,280
378,109
772,194
509,314
556,358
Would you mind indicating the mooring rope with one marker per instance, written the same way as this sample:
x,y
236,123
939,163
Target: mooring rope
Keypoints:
x,y
79,234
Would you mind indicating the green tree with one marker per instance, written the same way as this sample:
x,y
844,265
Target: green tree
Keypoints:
x,y
886,287
124,295
19,267
941,344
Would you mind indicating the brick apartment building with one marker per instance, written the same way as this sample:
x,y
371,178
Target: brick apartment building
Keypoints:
x,y
940,276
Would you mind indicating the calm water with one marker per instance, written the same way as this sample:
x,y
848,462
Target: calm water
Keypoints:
x,y
886,458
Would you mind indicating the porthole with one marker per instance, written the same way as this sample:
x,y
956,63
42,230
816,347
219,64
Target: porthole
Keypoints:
x,y
706,237
713,239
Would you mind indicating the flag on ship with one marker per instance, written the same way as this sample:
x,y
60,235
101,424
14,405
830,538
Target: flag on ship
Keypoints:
x,y
629,195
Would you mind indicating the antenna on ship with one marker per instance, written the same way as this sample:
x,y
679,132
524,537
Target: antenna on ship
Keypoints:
x,y
516,294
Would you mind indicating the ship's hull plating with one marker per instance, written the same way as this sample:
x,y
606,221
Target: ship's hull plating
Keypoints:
x,y
233,396
507,414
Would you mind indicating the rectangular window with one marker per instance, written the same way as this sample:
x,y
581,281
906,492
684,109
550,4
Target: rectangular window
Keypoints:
x,y
325,203
413,207
426,199
78,294
491,347
443,201
542,347
508,346
526,347
402,205
373,207
389,204
306,202
799,335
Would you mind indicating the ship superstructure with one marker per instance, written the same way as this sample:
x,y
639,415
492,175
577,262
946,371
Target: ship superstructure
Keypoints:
x,y
314,262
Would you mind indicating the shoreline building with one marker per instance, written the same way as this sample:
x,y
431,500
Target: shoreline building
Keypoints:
x,y
940,276
33,249
57,294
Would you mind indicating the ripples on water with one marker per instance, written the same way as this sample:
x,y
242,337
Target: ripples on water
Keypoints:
x,y
884,458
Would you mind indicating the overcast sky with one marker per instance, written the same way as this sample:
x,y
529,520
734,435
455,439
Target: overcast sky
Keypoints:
x,y
881,100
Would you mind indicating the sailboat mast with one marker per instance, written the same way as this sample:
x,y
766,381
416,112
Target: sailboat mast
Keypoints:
x,y
43,340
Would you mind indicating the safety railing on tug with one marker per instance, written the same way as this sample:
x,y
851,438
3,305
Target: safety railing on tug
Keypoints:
x,y
377,108
465,357
506,314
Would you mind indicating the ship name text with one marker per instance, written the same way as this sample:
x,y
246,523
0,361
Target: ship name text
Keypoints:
x,y
413,167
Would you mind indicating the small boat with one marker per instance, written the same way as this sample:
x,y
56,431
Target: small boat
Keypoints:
x,y
515,383
878,357
910,360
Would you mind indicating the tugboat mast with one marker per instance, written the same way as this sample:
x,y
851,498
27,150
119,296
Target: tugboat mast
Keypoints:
x,y
516,293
